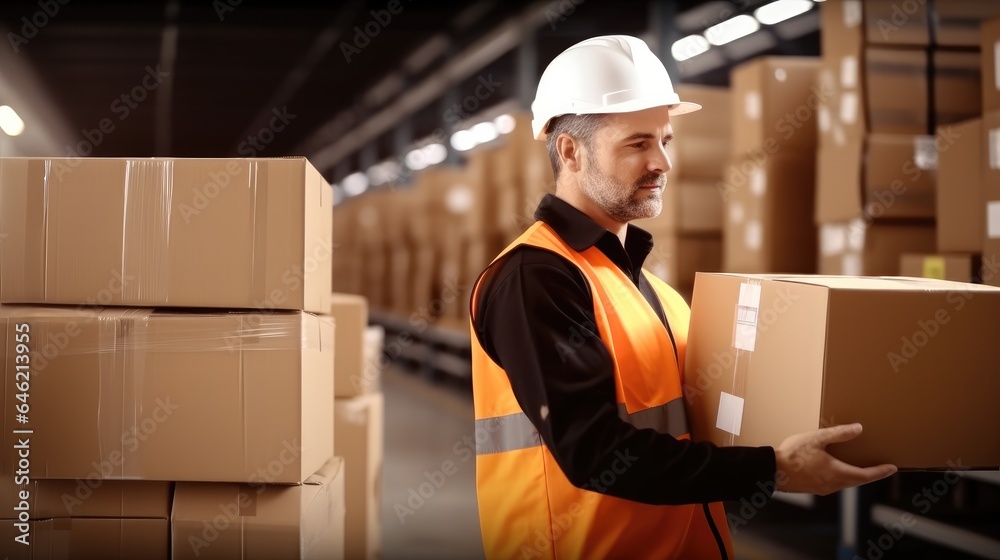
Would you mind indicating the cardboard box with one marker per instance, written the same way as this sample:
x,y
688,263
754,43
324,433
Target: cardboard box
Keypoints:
x,y
689,206
359,440
958,86
857,248
351,375
960,219
773,106
400,280
989,34
891,22
954,267
223,521
888,73
812,352
958,21
841,111
422,284
991,196
155,395
86,519
696,153
885,176
841,29
768,224
149,232
676,258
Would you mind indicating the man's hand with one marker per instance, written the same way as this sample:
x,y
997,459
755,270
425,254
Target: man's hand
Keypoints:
x,y
807,467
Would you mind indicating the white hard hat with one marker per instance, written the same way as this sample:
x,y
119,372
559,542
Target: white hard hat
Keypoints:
x,y
609,74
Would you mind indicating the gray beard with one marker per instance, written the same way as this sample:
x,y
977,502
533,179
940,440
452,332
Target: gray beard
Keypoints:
x,y
617,199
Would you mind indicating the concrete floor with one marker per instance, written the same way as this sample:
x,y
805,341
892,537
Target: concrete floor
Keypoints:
x,y
434,516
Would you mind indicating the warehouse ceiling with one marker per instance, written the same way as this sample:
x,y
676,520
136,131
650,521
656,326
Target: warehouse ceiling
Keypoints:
x,y
243,77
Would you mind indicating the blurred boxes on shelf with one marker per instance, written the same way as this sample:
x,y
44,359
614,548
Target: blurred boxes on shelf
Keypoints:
x,y
774,104
768,224
960,216
866,350
159,395
353,374
148,232
225,520
359,440
954,267
860,248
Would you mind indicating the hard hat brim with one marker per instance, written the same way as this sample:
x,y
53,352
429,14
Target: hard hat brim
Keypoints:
x,y
679,108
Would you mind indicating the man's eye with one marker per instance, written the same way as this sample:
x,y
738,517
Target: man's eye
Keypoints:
x,y
638,145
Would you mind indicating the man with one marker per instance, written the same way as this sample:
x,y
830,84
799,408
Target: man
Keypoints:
x,y
583,449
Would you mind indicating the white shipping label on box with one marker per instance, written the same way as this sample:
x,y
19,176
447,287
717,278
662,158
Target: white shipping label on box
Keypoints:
x,y
925,154
849,72
758,184
849,107
747,307
994,148
856,234
736,213
832,239
459,199
753,235
993,219
851,265
730,417
823,116
852,13
751,105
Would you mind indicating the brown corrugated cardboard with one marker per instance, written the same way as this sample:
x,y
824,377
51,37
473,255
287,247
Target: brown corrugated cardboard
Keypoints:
x,y
148,232
958,21
954,267
111,539
774,103
990,208
888,73
351,375
359,441
812,352
135,499
960,218
885,176
892,22
172,396
676,258
223,521
698,135
957,86
768,224
841,29
857,248
400,280
989,34
841,114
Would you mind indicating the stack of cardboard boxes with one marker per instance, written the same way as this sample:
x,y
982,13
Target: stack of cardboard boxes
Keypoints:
x,y
172,397
359,428
768,185
688,232
987,223
889,80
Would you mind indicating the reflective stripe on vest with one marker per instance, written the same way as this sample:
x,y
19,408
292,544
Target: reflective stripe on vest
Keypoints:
x,y
515,431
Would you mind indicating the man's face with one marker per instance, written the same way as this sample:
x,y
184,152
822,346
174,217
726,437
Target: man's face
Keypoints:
x,y
627,171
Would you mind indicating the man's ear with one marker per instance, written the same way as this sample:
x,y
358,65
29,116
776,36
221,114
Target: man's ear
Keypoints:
x,y
570,152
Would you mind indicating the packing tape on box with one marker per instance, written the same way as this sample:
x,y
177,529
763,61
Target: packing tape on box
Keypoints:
x,y
852,13
993,219
849,72
744,340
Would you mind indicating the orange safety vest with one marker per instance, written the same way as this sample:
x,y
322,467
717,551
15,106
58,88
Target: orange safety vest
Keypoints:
x,y
527,506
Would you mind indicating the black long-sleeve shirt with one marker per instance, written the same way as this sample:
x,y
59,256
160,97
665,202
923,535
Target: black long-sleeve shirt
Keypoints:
x,y
536,320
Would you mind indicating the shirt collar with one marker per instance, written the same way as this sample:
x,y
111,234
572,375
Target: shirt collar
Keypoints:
x,y
581,233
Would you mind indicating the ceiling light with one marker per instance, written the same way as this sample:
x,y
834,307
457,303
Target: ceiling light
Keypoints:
x,y
434,153
688,47
731,30
463,140
484,132
355,183
781,10
505,124
10,122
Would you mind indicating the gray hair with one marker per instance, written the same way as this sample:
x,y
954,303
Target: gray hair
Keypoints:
x,y
580,127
